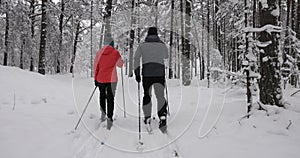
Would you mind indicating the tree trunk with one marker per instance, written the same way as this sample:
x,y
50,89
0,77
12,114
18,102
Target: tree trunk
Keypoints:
x,y
75,47
223,28
208,47
156,12
138,21
91,35
23,41
171,41
42,51
107,16
254,16
22,52
181,37
288,17
298,31
178,55
247,69
32,10
202,62
101,36
293,11
6,42
298,20
288,4
292,51
270,89
185,59
216,28
131,35
61,20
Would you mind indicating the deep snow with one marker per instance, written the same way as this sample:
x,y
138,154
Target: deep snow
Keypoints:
x,y
203,122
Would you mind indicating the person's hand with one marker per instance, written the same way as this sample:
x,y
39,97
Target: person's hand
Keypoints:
x,y
138,78
96,83
137,75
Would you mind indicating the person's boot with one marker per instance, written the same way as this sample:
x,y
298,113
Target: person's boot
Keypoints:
x,y
109,123
147,122
163,124
103,117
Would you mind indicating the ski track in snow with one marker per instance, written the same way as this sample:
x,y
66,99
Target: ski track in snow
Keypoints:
x,y
91,146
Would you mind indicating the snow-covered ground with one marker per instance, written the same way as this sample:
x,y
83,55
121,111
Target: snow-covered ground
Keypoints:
x,y
38,115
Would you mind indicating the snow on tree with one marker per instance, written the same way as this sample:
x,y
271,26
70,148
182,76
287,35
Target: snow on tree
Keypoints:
x,y
270,83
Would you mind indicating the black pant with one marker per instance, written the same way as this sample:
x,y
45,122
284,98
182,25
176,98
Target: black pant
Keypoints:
x,y
107,94
158,83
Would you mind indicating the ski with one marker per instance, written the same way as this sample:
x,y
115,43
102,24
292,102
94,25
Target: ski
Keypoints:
x,y
172,145
98,125
106,134
149,128
105,137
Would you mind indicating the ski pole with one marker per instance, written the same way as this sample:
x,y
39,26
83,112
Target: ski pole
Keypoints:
x,y
139,104
167,97
123,92
85,108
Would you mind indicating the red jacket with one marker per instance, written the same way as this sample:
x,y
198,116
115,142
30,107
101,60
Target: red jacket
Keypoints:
x,y
105,62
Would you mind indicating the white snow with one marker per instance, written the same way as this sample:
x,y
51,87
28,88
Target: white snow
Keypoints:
x,y
276,11
268,28
263,44
264,3
265,59
48,107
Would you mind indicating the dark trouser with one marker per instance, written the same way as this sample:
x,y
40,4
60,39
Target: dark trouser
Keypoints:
x,y
158,83
107,94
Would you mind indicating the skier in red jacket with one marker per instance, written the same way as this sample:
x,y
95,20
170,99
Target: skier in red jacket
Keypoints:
x,y
105,76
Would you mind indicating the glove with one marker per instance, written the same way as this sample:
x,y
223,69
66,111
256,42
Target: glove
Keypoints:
x,y
137,75
96,83
138,78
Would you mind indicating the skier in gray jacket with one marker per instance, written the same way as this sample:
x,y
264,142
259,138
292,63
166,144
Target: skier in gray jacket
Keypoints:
x,y
153,52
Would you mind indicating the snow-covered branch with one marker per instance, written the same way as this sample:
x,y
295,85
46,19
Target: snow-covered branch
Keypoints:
x,y
268,28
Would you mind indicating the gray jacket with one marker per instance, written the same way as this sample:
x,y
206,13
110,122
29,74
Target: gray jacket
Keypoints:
x,y
153,52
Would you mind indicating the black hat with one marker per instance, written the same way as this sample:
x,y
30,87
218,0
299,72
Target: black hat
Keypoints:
x,y
152,31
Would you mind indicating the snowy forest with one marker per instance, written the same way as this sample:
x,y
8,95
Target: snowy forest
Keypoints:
x,y
217,40
247,46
